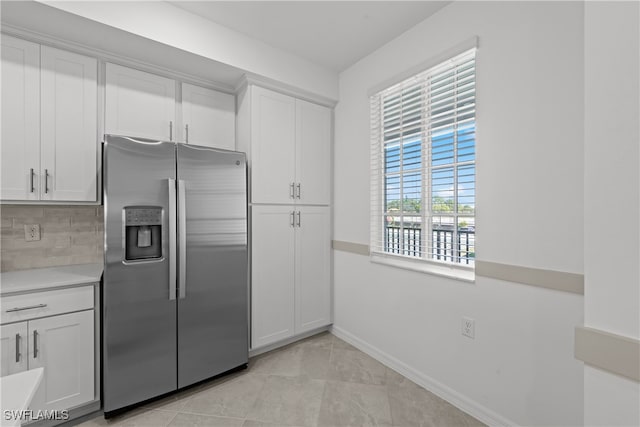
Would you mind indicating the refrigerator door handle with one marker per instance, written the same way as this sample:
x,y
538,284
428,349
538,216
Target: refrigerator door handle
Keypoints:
x,y
182,235
172,238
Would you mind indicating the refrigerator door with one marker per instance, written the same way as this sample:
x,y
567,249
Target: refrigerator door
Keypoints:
x,y
213,269
139,308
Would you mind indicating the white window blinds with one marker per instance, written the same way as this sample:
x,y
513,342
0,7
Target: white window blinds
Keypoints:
x,y
423,164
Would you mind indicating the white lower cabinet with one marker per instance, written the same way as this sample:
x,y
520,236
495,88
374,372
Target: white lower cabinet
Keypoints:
x,y
63,346
62,343
290,271
312,266
13,339
272,274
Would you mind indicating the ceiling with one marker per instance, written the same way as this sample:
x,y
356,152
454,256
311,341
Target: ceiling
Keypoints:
x,y
332,34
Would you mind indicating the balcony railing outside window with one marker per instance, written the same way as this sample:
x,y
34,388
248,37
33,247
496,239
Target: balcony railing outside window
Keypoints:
x,y
408,240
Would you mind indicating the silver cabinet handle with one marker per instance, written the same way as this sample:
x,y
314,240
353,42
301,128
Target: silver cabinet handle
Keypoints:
x,y
46,180
35,344
182,234
31,174
186,132
172,238
292,218
31,307
17,348
298,214
291,190
298,190
170,130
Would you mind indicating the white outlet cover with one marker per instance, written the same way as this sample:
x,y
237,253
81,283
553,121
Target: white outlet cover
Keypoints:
x,y
31,232
468,327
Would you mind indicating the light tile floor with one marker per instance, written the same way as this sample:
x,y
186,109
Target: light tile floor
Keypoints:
x,y
320,381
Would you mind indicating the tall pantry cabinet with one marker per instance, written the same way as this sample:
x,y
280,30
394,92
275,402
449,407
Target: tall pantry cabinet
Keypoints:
x,y
288,146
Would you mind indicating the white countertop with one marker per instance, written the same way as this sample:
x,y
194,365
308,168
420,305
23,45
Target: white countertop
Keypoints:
x,y
39,279
17,392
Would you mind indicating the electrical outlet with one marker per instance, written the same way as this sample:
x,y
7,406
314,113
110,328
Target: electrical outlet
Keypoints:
x,y
468,327
31,232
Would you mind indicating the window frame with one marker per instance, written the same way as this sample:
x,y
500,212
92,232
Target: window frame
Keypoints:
x,y
378,229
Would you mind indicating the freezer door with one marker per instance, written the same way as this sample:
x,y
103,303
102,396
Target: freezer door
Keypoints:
x,y
213,270
139,309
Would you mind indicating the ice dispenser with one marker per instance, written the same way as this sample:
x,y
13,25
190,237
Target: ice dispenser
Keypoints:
x,y
143,232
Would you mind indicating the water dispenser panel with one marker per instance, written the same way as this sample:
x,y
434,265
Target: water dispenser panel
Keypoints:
x,y
143,216
143,232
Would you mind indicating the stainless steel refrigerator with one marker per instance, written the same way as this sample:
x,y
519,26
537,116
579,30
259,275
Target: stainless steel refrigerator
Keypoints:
x,y
175,284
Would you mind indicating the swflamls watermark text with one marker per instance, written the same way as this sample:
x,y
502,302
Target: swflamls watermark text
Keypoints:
x,y
31,415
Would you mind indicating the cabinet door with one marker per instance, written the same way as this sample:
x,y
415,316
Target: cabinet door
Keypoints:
x,y
13,340
64,346
312,268
139,104
272,146
69,85
272,274
313,145
20,148
209,117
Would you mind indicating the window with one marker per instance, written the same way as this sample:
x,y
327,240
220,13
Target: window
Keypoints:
x,y
423,165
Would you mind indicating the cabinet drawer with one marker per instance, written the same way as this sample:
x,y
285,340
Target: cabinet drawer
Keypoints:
x,y
47,303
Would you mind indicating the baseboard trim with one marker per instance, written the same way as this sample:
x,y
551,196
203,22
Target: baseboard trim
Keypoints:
x,y
613,353
256,351
76,416
458,400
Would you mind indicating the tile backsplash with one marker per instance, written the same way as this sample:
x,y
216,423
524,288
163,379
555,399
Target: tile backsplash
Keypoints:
x,y
68,235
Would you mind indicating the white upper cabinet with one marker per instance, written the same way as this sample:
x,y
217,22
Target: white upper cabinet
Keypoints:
x,y
273,119
313,137
288,145
139,104
208,117
20,161
49,124
69,126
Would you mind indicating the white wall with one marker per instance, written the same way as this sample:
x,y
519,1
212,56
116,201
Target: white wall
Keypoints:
x,y
612,198
520,368
192,33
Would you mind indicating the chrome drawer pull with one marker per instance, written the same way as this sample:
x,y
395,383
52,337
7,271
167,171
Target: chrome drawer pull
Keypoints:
x,y
26,308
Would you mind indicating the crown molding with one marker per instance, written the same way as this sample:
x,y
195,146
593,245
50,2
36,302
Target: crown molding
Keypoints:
x,y
248,79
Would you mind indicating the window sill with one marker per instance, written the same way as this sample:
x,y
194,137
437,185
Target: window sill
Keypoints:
x,y
463,274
